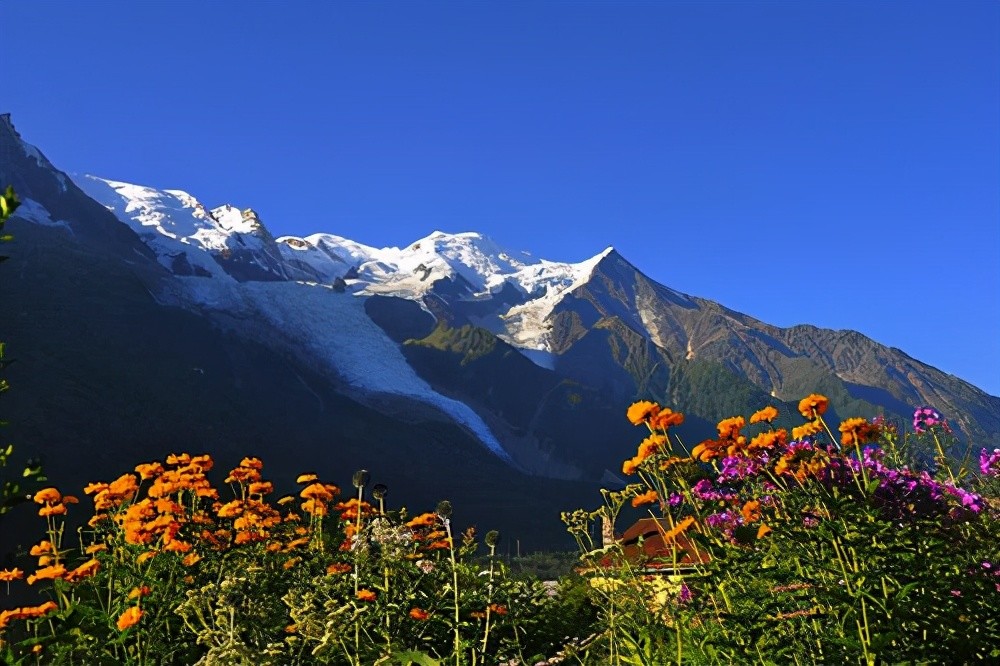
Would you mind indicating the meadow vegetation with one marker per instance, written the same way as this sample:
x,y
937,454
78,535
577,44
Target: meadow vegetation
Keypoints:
x,y
858,542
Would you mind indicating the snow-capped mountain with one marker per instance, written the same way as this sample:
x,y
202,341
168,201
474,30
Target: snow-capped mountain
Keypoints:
x,y
449,348
190,239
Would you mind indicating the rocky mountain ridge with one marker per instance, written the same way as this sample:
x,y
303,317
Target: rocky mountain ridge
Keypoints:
x,y
525,364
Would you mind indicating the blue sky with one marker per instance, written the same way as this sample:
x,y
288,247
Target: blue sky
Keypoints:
x,y
832,163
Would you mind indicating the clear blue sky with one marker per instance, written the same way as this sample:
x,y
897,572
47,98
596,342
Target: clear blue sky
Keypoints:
x,y
832,163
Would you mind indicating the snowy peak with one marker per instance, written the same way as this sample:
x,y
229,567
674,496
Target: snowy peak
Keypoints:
x,y
188,238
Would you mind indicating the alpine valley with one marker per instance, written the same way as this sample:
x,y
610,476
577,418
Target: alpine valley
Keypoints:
x,y
143,322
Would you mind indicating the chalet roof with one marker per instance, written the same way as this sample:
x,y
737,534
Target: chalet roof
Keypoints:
x,y
651,532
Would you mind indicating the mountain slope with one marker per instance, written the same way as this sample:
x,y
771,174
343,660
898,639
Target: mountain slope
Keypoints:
x,y
195,324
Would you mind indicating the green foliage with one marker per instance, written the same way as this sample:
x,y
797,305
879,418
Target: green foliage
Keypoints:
x,y
471,342
166,572
712,390
793,551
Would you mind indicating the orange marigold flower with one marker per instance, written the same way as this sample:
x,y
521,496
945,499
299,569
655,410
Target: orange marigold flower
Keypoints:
x,y
477,614
315,507
751,511
85,570
47,573
306,478
261,488
678,529
768,439
338,568
366,595
630,465
124,486
806,430
252,463
857,431
250,537
143,591
289,563
70,499
652,444
177,546
179,459
291,629
666,418
499,609
47,495
768,414
706,450
148,555
8,575
438,545
419,613
423,520
95,548
230,509
129,618
147,471
642,411
730,428
95,488
316,491
812,406
39,611
42,548
52,510
647,497
763,531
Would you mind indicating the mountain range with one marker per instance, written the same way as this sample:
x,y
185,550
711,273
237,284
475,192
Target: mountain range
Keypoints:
x,y
145,322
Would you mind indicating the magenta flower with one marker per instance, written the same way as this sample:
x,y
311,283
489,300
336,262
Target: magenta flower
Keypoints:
x,y
989,463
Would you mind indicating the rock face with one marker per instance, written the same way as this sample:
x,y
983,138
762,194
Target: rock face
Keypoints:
x,y
145,322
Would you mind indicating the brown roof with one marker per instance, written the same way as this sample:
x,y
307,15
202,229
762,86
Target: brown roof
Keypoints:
x,y
654,547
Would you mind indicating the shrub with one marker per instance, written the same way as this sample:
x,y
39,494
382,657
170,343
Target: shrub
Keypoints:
x,y
802,546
